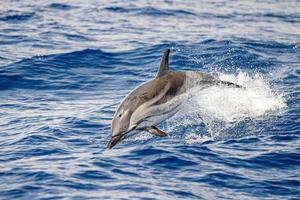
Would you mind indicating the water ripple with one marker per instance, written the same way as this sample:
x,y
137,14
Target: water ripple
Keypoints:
x,y
66,66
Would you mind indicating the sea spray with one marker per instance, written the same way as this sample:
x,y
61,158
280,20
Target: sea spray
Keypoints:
x,y
220,112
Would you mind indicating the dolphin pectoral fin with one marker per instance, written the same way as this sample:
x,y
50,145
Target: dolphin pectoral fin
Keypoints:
x,y
157,132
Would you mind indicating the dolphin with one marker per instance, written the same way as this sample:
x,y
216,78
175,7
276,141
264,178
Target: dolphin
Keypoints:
x,y
156,100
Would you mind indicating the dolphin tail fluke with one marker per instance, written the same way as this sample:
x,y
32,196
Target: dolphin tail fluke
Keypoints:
x,y
157,132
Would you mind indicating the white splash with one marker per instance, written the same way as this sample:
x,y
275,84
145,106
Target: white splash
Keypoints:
x,y
230,104
192,138
223,109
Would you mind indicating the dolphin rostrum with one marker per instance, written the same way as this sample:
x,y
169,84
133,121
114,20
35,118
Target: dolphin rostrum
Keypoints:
x,y
156,100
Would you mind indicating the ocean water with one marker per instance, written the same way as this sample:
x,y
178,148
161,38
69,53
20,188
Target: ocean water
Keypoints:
x,y
66,65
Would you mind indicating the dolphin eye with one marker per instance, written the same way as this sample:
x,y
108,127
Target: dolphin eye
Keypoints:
x,y
120,115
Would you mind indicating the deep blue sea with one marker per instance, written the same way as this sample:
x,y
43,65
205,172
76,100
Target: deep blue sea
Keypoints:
x,y
66,65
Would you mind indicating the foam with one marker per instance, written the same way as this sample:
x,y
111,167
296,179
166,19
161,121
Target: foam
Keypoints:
x,y
233,104
228,111
191,138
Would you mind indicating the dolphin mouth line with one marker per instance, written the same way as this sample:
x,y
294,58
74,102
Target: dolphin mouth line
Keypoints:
x,y
113,141
117,138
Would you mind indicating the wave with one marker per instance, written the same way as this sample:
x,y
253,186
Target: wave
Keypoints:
x,y
151,11
61,6
16,16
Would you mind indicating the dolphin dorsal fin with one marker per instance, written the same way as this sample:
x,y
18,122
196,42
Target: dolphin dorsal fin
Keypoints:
x,y
164,64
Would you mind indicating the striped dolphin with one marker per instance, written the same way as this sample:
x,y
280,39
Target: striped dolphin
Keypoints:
x,y
156,100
